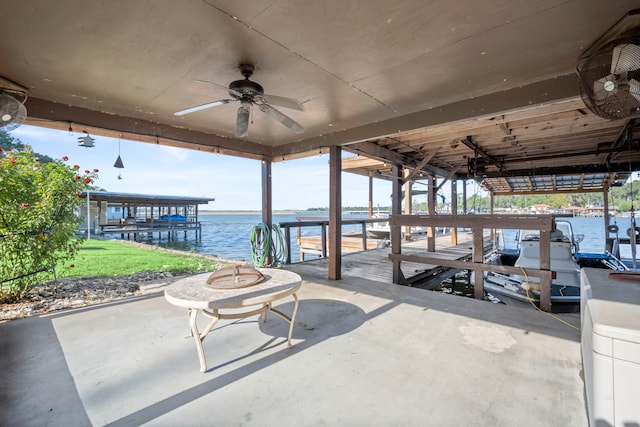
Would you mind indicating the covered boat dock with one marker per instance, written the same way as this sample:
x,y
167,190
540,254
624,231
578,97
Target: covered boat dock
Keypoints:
x,y
435,92
130,215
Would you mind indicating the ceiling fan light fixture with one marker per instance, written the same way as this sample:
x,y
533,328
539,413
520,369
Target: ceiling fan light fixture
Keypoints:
x,y
242,121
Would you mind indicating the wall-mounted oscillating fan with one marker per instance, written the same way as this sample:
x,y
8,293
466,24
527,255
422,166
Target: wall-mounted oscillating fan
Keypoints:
x,y
250,93
609,71
12,111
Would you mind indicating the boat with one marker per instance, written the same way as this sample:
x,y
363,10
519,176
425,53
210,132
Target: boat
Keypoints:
x,y
382,229
565,288
607,259
174,217
564,256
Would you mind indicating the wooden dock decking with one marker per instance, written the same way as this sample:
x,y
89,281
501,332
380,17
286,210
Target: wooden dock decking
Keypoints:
x,y
376,265
313,245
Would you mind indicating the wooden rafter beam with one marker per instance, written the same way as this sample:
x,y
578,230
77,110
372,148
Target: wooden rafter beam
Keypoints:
x,y
376,151
620,141
419,166
566,170
479,151
448,177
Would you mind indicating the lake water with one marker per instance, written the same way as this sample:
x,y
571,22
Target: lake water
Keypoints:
x,y
228,235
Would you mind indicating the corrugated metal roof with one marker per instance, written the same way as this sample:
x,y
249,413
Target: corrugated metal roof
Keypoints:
x,y
148,199
574,183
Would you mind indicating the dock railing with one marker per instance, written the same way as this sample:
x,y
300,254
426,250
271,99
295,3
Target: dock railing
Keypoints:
x,y
478,223
323,224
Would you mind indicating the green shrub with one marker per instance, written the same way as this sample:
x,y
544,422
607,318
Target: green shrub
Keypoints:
x,y
38,221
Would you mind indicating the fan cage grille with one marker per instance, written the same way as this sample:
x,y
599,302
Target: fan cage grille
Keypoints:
x,y
12,112
621,103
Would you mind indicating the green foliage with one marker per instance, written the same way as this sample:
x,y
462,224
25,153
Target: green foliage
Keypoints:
x,y
8,143
37,217
116,257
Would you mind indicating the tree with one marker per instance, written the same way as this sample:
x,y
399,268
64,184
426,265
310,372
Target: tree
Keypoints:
x,y
8,143
38,222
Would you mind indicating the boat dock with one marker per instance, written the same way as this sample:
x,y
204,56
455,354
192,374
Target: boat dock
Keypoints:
x,y
129,231
132,215
313,245
375,263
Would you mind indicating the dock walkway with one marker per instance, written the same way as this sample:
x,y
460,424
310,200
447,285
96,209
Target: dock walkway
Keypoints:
x,y
375,264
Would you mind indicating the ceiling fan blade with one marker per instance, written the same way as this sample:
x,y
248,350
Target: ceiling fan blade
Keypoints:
x,y
202,107
231,91
242,122
285,120
625,58
281,101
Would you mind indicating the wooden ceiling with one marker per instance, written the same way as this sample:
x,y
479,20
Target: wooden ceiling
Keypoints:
x,y
573,149
486,90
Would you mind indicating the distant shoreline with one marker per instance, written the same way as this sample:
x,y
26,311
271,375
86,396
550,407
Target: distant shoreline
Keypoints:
x,y
201,212
278,212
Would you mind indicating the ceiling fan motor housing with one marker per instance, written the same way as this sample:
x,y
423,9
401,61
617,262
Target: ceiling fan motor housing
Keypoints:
x,y
245,87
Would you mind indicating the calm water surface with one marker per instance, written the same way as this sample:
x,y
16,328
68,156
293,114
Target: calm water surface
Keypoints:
x,y
228,235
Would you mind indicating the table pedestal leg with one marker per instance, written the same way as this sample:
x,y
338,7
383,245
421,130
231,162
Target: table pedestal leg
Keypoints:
x,y
199,337
216,315
291,319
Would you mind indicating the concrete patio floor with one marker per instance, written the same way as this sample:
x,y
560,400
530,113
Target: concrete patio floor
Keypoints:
x,y
365,354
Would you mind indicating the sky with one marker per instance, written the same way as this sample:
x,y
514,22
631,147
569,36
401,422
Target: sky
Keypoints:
x,y
235,183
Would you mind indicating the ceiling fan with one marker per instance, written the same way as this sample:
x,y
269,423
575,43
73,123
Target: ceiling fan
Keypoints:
x,y
251,93
609,71
12,110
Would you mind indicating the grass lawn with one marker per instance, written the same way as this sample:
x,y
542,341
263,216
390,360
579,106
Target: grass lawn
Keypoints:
x,y
113,257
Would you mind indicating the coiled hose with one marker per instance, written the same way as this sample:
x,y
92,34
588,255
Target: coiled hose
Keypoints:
x,y
265,241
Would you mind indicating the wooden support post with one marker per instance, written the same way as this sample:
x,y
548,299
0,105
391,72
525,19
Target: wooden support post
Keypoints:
x,y
335,213
464,197
287,238
478,256
407,202
323,240
454,210
395,231
370,194
492,230
431,231
605,200
267,200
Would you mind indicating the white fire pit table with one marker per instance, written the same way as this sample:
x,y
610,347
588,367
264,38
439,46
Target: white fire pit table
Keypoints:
x,y
196,296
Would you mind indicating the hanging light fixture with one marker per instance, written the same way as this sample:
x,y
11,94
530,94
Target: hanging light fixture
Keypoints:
x,y
118,164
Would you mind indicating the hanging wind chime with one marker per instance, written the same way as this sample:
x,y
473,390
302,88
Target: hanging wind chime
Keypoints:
x,y
118,164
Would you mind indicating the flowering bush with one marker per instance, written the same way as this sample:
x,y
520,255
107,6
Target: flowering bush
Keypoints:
x,y
37,217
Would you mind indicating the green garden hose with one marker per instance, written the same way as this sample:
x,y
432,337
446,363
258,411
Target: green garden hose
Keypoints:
x,y
265,241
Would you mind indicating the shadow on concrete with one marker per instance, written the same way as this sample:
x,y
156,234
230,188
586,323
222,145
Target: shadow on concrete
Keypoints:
x,y
36,387
314,324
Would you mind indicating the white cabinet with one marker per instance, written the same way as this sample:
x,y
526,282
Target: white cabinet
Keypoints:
x,y
610,317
